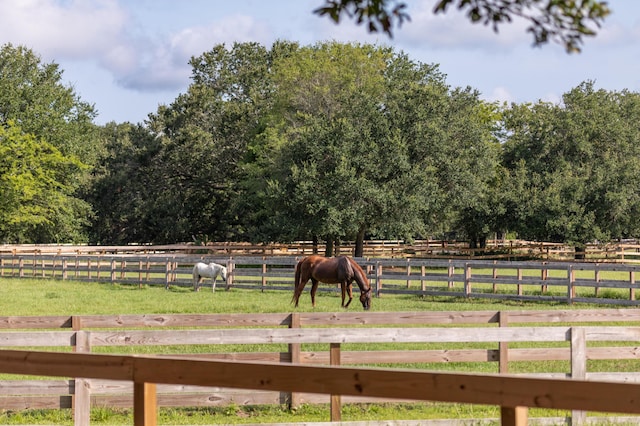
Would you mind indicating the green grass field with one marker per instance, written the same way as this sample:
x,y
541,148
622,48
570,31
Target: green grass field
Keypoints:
x,y
32,297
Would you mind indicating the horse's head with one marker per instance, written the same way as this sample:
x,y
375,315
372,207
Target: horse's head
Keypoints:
x,y
365,298
223,273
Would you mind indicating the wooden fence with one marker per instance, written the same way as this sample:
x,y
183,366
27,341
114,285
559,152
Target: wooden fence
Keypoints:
x,y
332,337
600,283
510,250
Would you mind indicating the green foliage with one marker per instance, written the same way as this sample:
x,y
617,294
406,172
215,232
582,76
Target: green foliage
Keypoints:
x,y
31,94
363,141
126,187
574,167
331,141
36,187
46,131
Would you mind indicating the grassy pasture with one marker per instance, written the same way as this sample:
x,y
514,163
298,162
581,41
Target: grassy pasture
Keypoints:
x,y
25,297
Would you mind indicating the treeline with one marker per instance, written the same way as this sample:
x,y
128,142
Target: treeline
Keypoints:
x,y
325,142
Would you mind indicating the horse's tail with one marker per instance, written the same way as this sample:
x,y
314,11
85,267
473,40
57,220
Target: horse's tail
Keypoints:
x,y
296,283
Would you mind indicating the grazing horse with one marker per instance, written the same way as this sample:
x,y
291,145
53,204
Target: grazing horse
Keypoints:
x,y
211,270
341,270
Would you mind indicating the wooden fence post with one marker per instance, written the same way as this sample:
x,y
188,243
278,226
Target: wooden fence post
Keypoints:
x,y
494,275
503,347
467,279
378,279
113,271
294,352
264,273
81,400
632,285
230,272
408,273
450,272
335,406
571,279
514,416
145,404
167,274
578,367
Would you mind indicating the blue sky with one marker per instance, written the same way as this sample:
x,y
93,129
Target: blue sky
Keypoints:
x,y
129,56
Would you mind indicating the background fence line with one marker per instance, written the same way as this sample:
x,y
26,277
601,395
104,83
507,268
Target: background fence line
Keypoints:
x,y
600,283
623,251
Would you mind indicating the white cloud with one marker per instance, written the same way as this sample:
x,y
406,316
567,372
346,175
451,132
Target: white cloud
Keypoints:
x,y
454,30
62,30
164,64
500,94
236,28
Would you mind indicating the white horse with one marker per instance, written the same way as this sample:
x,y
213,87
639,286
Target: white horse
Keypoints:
x,y
211,270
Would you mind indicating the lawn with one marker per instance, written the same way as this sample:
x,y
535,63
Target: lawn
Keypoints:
x,y
27,297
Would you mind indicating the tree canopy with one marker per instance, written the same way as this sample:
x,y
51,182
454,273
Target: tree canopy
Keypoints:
x,y
330,142
47,148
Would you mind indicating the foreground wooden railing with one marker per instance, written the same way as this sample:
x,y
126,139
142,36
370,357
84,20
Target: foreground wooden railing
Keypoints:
x,y
513,394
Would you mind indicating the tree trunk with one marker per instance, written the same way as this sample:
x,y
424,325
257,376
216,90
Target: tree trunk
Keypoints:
x,y
315,243
358,250
328,249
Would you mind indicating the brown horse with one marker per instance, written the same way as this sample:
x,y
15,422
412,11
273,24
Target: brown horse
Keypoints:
x,y
332,270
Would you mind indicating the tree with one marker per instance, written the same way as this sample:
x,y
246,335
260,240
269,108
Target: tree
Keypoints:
x,y
45,112
575,167
364,141
36,187
126,185
563,21
206,137
32,94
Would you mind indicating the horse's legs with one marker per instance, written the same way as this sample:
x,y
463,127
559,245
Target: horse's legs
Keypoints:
x,y
213,286
196,282
314,288
349,289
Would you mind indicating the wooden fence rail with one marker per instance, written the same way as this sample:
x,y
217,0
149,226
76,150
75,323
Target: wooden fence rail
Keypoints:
x,y
282,333
600,283
513,394
498,249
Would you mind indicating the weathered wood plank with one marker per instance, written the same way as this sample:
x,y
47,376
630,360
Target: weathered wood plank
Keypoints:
x,y
35,322
37,338
36,387
185,320
327,335
53,402
506,391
